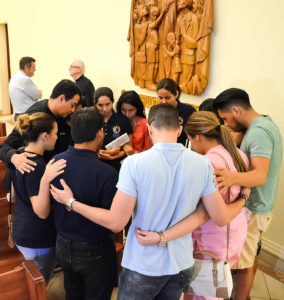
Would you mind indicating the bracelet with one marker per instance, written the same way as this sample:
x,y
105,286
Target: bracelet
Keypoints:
x,y
163,241
69,204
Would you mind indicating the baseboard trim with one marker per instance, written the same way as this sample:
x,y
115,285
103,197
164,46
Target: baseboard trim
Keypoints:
x,y
273,248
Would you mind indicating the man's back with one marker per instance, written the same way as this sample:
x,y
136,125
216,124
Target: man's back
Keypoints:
x,y
93,183
168,181
23,92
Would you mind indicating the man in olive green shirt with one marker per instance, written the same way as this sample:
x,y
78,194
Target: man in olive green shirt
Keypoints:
x,y
262,144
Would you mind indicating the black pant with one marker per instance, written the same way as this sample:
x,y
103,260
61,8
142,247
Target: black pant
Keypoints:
x,y
89,270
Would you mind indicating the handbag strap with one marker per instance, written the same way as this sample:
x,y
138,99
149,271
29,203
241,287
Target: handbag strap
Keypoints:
x,y
10,205
228,201
214,256
10,198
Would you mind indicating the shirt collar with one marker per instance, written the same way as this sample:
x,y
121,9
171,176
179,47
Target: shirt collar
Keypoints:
x,y
80,78
23,73
259,119
82,151
112,117
169,146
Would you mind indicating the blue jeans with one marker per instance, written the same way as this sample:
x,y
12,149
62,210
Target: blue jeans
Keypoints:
x,y
44,259
135,286
89,270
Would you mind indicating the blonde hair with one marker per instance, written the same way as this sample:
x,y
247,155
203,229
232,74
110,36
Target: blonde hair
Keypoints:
x,y
30,127
207,124
23,123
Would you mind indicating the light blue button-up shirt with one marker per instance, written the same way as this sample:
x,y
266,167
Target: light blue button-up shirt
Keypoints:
x,y
23,92
168,181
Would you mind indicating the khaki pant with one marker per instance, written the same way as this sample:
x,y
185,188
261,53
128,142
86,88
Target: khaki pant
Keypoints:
x,y
257,225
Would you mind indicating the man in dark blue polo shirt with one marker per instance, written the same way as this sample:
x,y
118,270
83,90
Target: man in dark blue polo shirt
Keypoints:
x,y
84,249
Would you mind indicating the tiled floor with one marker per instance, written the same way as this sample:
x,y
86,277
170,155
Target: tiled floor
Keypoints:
x,y
264,288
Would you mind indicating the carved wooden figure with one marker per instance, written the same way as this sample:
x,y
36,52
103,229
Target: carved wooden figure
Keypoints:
x,y
171,38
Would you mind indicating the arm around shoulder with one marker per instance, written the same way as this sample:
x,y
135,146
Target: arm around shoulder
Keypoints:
x,y
256,176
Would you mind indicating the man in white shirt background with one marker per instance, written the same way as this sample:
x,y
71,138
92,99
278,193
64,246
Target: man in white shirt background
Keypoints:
x,y
23,92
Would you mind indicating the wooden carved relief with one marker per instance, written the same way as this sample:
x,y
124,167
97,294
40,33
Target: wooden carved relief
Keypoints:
x,y
171,38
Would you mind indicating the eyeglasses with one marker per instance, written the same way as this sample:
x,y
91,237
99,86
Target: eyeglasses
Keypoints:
x,y
74,67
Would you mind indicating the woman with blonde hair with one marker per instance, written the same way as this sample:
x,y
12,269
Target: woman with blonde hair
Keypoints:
x,y
209,137
34,235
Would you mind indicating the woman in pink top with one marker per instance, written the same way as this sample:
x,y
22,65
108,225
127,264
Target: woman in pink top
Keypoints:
x,y
130,105
208,137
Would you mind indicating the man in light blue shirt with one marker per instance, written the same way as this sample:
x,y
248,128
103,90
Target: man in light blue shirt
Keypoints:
x,y
162,186
23,92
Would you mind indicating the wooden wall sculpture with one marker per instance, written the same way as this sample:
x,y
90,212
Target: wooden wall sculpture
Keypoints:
x,y
171,38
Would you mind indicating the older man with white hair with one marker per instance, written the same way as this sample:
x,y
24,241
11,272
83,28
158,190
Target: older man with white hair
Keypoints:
x,y
77,71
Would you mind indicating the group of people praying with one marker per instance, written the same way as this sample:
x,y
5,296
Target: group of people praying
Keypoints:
x,y
72,192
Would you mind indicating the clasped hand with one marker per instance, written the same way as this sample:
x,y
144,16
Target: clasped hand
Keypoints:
x,y
147,238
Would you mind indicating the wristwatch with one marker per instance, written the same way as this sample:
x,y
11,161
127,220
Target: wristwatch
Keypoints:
x,y
163,241
69,204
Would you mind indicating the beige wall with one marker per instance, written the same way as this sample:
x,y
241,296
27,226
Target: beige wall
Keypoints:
x,y
247,52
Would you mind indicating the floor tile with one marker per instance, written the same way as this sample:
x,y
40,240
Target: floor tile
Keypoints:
x,y
255,298
114,295
259,288
275,287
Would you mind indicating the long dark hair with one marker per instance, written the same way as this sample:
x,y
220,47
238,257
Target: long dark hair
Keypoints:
x,y
132,98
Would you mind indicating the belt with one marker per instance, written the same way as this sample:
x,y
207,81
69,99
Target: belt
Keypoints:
x,y
92,245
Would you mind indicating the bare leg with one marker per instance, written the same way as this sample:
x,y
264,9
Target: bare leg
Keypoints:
x,y
245,278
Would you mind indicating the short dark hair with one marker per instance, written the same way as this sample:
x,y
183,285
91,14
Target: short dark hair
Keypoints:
x,y
67,88
132,98
26,61
85,124
230,97
164,116
207,105
169,85
103,91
